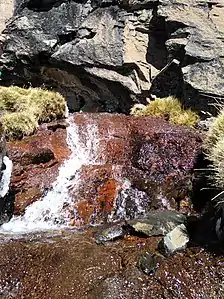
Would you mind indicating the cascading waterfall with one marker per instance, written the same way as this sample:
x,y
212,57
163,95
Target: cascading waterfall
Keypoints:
x,y
47,213
4,184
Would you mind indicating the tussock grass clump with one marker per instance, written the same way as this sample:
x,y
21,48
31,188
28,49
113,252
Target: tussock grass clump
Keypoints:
x,y
169,108
216,156
216,130
23,109
18,124
214,148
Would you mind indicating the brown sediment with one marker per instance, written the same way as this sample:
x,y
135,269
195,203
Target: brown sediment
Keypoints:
x,y
71,265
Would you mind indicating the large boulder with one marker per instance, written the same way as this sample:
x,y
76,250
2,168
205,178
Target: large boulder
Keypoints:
x,y
103,55
124,166
141,163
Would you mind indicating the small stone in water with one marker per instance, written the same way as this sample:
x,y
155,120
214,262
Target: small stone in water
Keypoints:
x,y
148,263
110,234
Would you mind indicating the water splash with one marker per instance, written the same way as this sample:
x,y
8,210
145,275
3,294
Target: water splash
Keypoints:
x,y
4,184
47,213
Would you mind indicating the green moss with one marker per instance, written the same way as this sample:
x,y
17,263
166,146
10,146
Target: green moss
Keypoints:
x,y
22,109
169,108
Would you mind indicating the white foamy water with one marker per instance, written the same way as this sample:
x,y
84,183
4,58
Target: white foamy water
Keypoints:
x,y
47,213
4,184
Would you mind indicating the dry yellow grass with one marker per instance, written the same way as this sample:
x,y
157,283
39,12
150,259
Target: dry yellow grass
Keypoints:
x,y
216,130
22,109
216,156
214,148
169,108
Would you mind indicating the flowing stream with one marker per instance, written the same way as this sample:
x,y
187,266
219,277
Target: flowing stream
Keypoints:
x,y
47,213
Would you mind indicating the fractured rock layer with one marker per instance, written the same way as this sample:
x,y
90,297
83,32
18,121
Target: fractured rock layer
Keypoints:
x,y
103,56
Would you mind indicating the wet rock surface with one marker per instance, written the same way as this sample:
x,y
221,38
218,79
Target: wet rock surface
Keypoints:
x,y
71,265
142,163
110,234
175,240
103,56
36,160
149,263
157,223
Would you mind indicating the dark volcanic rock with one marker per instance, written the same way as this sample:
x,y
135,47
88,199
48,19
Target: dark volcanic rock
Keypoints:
x,y
148,263
103,55
157,223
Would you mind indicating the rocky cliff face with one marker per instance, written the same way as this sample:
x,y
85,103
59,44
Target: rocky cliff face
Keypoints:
x,y
105,55
6,6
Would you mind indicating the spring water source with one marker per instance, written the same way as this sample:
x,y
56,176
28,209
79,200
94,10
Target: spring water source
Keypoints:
x,y
47,213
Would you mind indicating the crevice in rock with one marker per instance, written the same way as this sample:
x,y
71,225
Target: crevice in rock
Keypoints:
x,y
66,38
37,5
168,82
157,52
138,5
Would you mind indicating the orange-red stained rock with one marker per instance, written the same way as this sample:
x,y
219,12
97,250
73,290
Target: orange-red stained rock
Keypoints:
x,y
35,164
95,196
154,156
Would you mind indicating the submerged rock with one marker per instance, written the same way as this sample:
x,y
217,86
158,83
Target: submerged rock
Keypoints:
x,y
70,265
149,263
175,240
110,234
157,223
